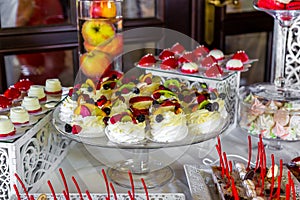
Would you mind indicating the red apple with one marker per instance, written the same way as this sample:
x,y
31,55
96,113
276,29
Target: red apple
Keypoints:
x,y
94,64
105,9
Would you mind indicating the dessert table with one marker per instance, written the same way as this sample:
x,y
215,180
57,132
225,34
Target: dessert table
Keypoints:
x,y
81,164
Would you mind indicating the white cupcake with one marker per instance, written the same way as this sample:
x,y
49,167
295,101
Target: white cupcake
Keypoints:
x,y
37,91
6,127
19,115
31,104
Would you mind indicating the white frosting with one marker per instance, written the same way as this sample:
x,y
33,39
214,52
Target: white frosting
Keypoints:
x,y
53,85
234,64
6,126
284,1
190,66
67,109
19,115
202,121
36,91
172,128
295,124
217,54
31,103
92,126
118,107
126,132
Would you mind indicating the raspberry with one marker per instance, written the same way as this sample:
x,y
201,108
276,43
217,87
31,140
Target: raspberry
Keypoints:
x,y
76,129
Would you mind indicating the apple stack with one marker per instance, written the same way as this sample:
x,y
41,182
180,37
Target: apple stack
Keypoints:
x,y
100,37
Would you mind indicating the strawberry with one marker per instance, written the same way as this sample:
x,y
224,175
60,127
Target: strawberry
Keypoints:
x,y
214,71
147,61
208,61
187,57
169,63
70,92
241,55
166,53
101,101
76,129
12,93
4,102
23,84
294,5
201,97
177,48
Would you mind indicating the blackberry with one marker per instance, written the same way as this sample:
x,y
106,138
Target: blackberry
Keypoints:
x,y
136,90
90,89
106,86
159,118
106,110
114,76
140,118
215,106
90,100
68,128
209,107
105,120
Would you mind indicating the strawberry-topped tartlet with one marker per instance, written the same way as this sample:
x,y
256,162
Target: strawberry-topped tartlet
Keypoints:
x,y
234,65
169,63
124,128
147,61
12,93
166,53
187,57
214,71
201,51
23,85
241,55
4,102
208,61
177,49
6,127
217,54
189,68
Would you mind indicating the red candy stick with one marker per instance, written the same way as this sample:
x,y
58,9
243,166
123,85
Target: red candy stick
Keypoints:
x,y
234,191
226,165
130,195
77,187
52,190
249,151
131,183
230,166
22,184
221,159
145,188
17,191
257,157
113,190
88,195
31,197
106,184
65,182
66,195
292,185
273,176
279,179
287,191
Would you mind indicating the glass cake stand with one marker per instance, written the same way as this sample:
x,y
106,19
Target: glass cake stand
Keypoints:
x,y
144,160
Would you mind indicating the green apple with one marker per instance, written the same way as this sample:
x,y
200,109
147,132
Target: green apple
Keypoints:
x,y
97,32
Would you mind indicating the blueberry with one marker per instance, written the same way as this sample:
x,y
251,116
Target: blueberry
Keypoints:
x,y
135,90
135,81
140,118
105,120
106,110
215,106
90,89
75,96
118,93
159,118
213,96
90,100
68,128
180,96
209,107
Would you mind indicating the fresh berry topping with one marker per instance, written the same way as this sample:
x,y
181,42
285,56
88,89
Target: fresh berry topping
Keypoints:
x,y
174,88
159,118
209,107
187,57
162,87
68,128
101,101
169,63
106,110
76,129
118,93
213,96
105,120
23,84
12,93
75,96
147,61
90,100
125,91
156,95
187,99
215,106
201,97
166,53
125,80
141,118
148,80
177,48
90,89
71,90
116,118
208,61
4,102
241,55
180,97
270,4
136,90
201,51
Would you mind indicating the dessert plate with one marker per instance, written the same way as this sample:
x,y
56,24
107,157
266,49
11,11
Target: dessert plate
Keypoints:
x,y
19,132
32,120
152,196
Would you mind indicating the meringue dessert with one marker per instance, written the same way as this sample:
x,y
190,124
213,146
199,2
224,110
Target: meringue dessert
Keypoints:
x,y
19,115
31,104
6,127
53,86
37,91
